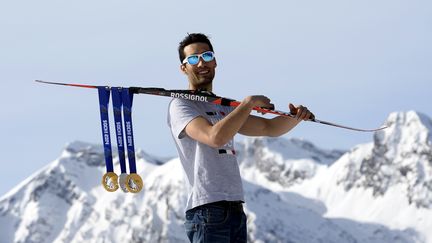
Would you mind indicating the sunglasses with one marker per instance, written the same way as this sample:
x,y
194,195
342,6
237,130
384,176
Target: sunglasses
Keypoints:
x,y
207,56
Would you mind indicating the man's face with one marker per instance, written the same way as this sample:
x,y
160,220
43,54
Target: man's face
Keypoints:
x,y
200,75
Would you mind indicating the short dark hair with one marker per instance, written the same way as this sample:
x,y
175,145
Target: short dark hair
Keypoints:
x,y
190,39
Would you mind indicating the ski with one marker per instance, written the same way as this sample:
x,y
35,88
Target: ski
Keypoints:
x,y
204,96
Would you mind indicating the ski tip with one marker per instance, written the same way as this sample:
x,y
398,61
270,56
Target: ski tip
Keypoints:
x,y
383,127
45,82
350,128
73,85
373,130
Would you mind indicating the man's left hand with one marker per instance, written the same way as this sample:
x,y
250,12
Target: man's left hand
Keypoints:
x,y
301,112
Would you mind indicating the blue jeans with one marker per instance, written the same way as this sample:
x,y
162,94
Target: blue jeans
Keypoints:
x,y
216,222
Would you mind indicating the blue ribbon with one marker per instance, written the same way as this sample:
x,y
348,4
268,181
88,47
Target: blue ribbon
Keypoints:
x,y
104,95
127,98
117,108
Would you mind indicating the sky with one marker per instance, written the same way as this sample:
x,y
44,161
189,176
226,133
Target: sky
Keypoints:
x,y
349,62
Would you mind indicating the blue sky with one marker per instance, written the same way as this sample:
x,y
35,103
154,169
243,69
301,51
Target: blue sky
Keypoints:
x,y
350,62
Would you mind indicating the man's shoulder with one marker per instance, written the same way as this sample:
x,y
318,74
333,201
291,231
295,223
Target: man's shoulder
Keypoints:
x,y
182,105
177,102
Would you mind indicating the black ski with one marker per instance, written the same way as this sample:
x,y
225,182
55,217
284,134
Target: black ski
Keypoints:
x,y
209,97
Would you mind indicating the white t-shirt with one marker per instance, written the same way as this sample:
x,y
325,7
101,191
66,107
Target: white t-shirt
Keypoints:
x,y
213,173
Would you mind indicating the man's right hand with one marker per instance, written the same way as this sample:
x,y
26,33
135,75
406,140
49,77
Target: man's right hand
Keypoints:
x,y
258,101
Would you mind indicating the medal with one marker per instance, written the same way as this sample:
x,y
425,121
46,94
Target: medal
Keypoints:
x,y
109,181
122,182
134,183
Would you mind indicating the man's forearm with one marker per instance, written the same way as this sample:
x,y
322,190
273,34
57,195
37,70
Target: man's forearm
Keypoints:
x,y
227,128
280,125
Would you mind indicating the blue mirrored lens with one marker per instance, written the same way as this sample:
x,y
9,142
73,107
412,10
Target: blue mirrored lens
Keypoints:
x,y
192,60
207,56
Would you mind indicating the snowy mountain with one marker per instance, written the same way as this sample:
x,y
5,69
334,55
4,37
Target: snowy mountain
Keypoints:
x,y
387,181
295,192
285,162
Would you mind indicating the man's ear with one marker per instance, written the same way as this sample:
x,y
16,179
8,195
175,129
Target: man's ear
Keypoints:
x,y
183,68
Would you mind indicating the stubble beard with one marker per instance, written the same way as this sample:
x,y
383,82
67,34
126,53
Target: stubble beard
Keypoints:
x,y
201,82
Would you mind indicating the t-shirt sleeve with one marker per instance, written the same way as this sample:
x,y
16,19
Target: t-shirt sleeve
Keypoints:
x,y
180,113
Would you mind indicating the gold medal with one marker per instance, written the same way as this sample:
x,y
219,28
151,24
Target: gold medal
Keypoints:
x,y
134,183
123,182
110,181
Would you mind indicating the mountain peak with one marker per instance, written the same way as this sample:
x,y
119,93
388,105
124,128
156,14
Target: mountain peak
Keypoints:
x,y
400,155
406,129
90,154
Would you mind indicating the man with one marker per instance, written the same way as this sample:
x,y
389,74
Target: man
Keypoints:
x,y
203,134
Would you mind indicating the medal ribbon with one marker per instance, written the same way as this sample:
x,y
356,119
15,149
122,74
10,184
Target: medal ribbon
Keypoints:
x,y
109,179
117,108
133,182
127,99
104,95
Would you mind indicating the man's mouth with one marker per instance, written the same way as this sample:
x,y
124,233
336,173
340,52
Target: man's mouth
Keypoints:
x,y
204,72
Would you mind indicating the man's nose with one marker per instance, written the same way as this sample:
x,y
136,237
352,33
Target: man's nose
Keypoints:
x,y
200,62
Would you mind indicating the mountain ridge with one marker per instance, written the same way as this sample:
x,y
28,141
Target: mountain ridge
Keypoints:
x,y
295,192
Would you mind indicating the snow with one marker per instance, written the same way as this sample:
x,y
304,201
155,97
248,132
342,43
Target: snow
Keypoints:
x,y
295,192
